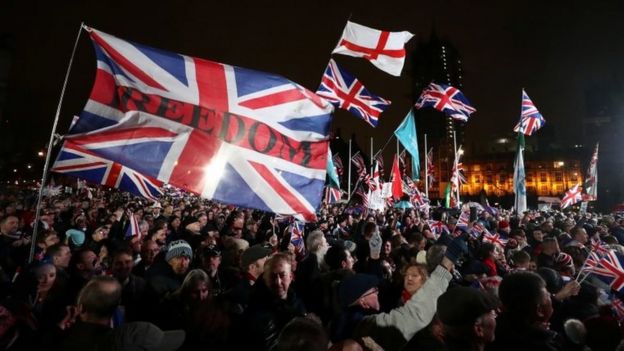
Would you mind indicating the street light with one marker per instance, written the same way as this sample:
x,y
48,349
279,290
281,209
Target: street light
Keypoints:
x,y
40,153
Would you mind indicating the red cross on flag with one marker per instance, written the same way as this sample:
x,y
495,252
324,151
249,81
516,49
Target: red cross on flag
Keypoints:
x,y
385,50
571,196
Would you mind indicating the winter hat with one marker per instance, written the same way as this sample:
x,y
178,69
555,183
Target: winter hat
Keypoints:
x,y
76,236
179,248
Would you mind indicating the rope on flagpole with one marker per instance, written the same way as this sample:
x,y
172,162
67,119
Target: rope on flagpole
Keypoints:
x,y
50,145
386,144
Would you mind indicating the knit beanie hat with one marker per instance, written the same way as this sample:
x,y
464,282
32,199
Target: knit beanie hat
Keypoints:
x,y
179,248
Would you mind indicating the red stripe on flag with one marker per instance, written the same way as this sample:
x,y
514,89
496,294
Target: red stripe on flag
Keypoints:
x,y
125,63
274,99
189,171
396,53
113,175
213,92
284,193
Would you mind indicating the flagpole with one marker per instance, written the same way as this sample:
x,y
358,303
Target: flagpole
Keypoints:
x,y
456,167
33,239
426,168
372,157
349,173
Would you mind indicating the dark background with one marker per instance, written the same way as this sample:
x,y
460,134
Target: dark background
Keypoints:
x,y
567,55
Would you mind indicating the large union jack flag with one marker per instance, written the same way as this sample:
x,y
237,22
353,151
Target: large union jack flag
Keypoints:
x,y
531,119
447,99
226,133
346,92
77,161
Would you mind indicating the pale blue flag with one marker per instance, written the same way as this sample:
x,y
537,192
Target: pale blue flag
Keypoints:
x,y
406,133
334,181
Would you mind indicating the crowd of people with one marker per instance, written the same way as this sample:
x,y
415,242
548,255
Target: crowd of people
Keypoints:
x,y
200,275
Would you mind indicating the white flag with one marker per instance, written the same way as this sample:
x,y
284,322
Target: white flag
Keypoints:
x,y
519,183
385,50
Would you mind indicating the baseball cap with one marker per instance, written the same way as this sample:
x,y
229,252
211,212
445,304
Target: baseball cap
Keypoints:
x,y
253,254
463,305
144,336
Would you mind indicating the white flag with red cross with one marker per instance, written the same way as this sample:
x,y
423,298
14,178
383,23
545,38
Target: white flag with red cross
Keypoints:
x,y
385,50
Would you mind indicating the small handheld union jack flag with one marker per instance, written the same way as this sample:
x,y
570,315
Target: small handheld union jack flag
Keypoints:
x,y
495,239
610,270
437,228
346,92
618,307
133,227
296,236
531,119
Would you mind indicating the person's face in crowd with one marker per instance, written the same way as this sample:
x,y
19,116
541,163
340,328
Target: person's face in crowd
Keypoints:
x,y
46,276
144,229
544,310
210,215
180,264
349,220
370,299
252,227
547,227
257,268
485,326
413,280
98,235
89,263
581,236
135,244
168,210
149,251
199,292
278,279
220,220
175,224
214,262
538,235
237,228
203,220
387,248
273,240
50,240
122,266
521,238
10,225
155,212
63,257
349,261
160,237
532,266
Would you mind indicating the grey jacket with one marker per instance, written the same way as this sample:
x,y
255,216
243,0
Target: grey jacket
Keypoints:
x,y
394,329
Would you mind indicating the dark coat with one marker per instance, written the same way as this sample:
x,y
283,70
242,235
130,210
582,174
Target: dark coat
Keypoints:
x,y
267,315
515,336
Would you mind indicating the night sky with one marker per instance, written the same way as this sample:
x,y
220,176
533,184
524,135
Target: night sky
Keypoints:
x,y
556,52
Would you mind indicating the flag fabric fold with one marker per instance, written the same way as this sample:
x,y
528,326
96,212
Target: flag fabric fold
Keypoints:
x,y
230,134
406,133
530,119
447,99
385,50
345,91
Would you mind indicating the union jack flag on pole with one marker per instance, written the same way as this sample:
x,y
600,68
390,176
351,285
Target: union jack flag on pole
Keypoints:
x,y
296,237
226,133
447,99
346,92
530,119
385,50
76,161
572,196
